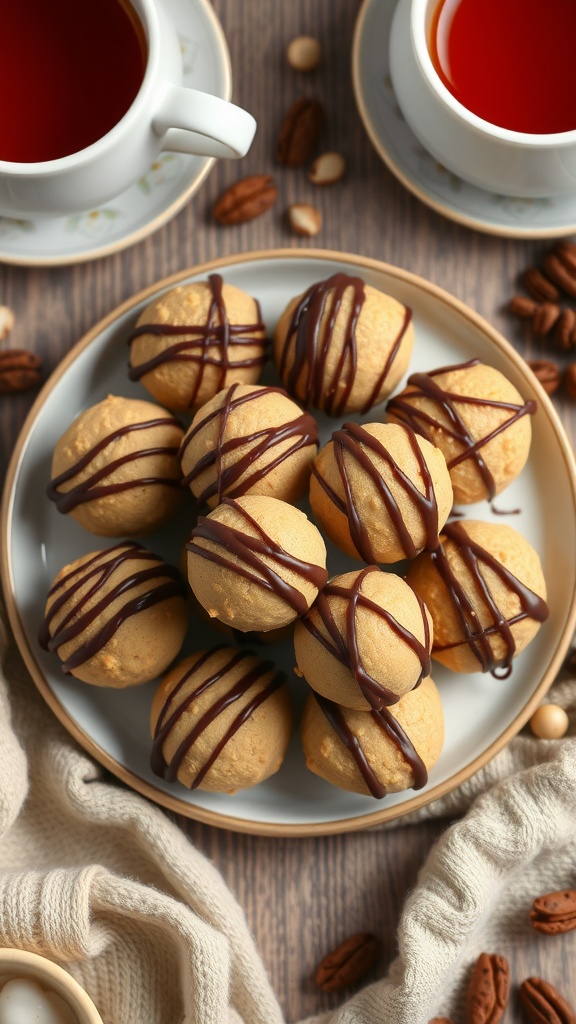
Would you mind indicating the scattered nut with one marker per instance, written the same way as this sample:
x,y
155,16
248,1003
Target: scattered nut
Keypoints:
x,y
488,988
304,53
545,317
304,219
548,373
20,370
348,963
246,199
561,274
549,722
523,307
327,169
566,253
554,913
6,321
564,330
539,286
440,1020
299,132
570,381
543,1004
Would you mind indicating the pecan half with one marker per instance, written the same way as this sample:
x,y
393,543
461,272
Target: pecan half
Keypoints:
x,y
561,274
564,329
19,370
348,963
246,199
487,993
523,307
548,373
299,132
539,286
543,1004
566,253
545,318
555,912
440,1020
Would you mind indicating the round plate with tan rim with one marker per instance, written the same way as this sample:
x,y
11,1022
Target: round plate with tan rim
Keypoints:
x,y
416,168
481,713
159,194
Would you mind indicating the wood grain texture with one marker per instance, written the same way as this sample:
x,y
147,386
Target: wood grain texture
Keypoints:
x,y
302,896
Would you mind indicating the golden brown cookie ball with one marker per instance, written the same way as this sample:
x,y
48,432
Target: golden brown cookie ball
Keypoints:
x,y
221,721
116,470
116,617
366,640
343,346
486,594
256,563
380,492
378,752
196,339
476,417
249,440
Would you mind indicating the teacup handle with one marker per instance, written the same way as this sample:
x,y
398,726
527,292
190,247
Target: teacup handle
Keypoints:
x,y
207,125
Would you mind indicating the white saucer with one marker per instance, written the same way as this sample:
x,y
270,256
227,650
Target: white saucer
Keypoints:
x,y
155,198
413,165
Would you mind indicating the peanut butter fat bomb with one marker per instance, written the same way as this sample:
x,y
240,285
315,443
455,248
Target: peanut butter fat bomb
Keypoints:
x,y
366,640
376,752
380,492
256,563
477,419
196,339
343,346
221,721
116,617
486,594
116,470
249,440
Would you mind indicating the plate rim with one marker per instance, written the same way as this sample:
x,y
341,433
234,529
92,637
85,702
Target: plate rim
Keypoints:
x,y
383,814
467,220
168,212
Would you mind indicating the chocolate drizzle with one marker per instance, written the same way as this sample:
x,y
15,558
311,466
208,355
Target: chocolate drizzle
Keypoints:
x,y
216,334
251,550
97,573
306,377
173,710
476,636
393,731
301,431
404,408
346,648
360,445
93,487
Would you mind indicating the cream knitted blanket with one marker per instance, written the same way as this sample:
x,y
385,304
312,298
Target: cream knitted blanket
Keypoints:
x,y
100,880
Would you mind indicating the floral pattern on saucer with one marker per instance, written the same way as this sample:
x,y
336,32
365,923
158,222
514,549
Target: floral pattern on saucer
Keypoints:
x,y
398,147
159,194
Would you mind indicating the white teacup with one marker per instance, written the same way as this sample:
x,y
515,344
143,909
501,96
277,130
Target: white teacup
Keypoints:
x,y
494,158
164,115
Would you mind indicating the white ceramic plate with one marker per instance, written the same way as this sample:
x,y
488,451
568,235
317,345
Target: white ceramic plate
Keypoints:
x,y
482,713
159,194
412,164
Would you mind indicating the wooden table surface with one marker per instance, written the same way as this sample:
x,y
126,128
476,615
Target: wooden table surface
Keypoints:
x,y
301,896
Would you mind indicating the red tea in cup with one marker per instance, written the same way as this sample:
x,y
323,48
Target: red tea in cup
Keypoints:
x,y
510,62
69,71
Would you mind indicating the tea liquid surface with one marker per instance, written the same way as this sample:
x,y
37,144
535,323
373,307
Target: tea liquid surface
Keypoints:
x,y
511,62
69,71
